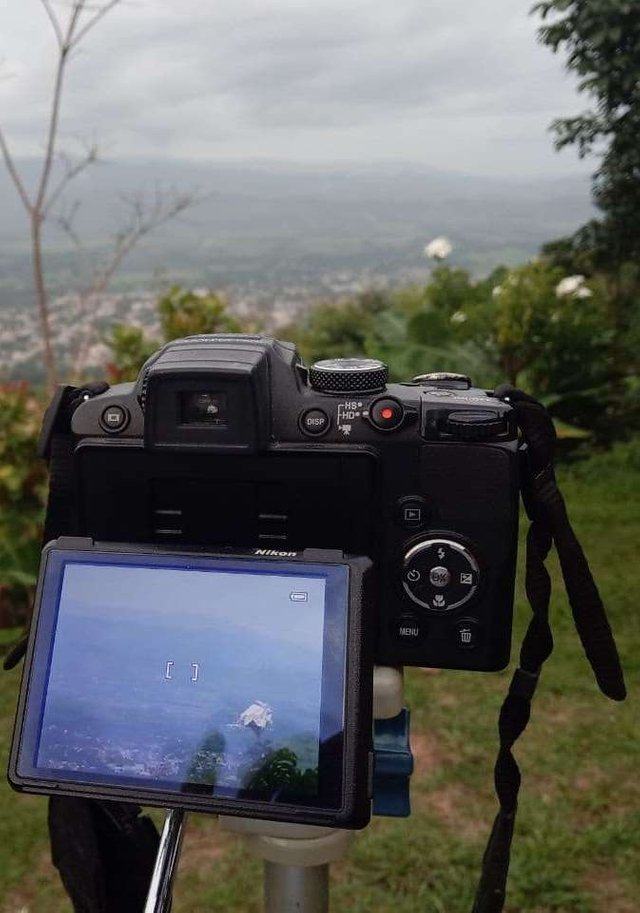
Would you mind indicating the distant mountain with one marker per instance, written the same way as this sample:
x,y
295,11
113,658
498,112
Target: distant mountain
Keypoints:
x,y
273,224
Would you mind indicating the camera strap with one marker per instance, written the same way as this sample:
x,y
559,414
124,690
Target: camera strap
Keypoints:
x,y
550,525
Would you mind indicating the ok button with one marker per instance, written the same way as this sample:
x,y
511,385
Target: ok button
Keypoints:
x,y
439,576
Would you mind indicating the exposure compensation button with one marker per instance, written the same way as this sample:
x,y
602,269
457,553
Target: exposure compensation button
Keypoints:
x,y
440,575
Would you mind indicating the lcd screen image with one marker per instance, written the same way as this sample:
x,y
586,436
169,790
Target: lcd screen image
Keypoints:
x,y
201,680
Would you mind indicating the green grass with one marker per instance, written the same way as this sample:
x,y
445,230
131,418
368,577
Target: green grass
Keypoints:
x,y
577,844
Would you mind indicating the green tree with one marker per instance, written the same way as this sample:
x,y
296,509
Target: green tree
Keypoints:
x,y
187,313
182,313
602,41
339,329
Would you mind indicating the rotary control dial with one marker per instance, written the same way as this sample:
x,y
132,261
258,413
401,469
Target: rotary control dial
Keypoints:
x,y
349,375
440,575
475,425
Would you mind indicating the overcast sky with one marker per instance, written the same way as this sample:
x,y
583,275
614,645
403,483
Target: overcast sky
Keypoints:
x,y
456,85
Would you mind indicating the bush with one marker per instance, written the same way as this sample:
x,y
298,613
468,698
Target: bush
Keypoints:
x,y
23,484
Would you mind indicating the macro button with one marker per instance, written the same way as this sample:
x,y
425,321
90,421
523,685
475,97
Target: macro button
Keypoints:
x,y
314,422
114,418
386,414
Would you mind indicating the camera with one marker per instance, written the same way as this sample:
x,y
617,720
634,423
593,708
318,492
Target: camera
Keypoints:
x,y
239,538
231,441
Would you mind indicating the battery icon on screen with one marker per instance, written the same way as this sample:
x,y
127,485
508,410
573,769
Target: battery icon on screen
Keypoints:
x,y
299,597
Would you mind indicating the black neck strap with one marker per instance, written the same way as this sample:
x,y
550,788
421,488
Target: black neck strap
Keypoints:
x,y
549,524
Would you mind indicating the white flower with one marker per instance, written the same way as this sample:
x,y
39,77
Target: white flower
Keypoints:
x,y
583,292
257,716
438,249
200,292
496,291
569,286
458,317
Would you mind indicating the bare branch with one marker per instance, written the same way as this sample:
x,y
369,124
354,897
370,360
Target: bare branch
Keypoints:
x,y
93,21
13,171
145,217
65,221
54,22
146,214
54,116
71,172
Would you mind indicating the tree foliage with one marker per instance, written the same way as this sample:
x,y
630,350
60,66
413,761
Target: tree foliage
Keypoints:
x,y
182,312
601,39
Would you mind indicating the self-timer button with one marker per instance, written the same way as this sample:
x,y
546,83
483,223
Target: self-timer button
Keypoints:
x,y
114,418
386,414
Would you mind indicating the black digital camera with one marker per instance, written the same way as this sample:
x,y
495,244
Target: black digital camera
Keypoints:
x,y
231,441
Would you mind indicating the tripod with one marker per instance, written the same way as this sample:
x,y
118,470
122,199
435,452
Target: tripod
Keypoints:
x,y
296,857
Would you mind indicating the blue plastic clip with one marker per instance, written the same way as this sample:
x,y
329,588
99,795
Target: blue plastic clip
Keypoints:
x,y
393,766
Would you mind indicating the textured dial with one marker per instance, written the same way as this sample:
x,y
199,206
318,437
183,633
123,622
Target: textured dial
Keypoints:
x,y
475,426
346,375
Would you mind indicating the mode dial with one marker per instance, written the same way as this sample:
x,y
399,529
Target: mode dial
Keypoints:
x,y
445,379
349,375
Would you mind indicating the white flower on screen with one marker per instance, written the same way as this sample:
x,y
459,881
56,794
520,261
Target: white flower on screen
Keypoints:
x,y
458,317
257,717
200,292
570,285
496,290
438,249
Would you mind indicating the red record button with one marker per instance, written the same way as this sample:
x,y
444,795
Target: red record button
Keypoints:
x,y
386,414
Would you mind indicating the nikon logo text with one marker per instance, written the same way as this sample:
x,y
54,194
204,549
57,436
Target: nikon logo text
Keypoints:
x,y
271,553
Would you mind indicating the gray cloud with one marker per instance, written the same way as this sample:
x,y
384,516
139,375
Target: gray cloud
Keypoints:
x,y
448,83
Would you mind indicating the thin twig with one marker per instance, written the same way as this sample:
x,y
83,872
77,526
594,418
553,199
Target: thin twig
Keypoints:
x,y
54,22
145,218
71,172
13,171
90,24
54,116
65,222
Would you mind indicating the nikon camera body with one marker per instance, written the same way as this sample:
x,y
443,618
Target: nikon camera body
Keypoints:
x,y
231,441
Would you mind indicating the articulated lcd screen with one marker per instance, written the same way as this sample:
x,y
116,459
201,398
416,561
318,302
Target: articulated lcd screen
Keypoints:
x,y
216,677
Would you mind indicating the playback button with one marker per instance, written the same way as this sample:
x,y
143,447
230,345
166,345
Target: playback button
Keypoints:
x,y
412,512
